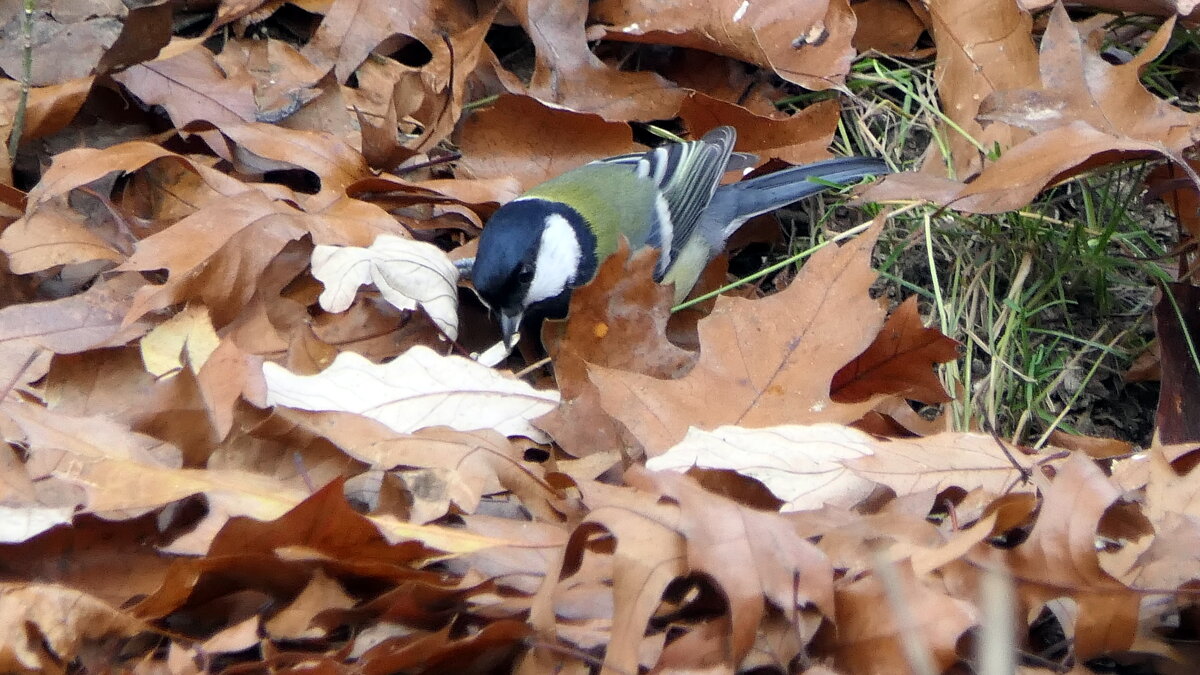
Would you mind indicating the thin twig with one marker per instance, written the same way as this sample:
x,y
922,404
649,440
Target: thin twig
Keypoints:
x,y
18,126
452,157
532,367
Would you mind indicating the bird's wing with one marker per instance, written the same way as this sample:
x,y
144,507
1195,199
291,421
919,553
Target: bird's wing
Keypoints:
x,y
686,174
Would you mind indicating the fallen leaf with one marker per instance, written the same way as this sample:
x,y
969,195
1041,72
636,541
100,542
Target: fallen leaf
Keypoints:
x,y
214,255
981,48
796,139
52,235
1173,186
1168,492
469,464
45,623
1110,98
618,320
1184,8
804,466
1095,447
86,38
186,80
803,42
1169,561
772,360
567,74
50,109
21,523
964,460
406,272
350,32
508,139
497,641
890,27
648,555
186,339
752,555
1086,111
876,615
419,389
1177,322
298,620
286,86
69,325
260,148
901,361
1059,558
82,166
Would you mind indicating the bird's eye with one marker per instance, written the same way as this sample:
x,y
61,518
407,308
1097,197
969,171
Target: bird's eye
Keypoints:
x,y
525,273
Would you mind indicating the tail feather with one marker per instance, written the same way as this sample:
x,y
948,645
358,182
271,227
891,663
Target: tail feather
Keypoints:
x,y
774,190
734,204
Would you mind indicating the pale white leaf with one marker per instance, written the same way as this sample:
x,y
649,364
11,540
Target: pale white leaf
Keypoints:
x,y
419,389
406,272
800,465
20,523
965,460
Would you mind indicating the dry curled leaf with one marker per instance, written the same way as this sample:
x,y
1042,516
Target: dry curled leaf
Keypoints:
x,y
406,272
772,360
419,389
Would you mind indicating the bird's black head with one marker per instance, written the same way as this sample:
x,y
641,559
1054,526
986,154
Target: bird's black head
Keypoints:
x,y
506,261
530,252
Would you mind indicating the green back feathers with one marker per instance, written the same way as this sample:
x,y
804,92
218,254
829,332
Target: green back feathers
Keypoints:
x,y
611,198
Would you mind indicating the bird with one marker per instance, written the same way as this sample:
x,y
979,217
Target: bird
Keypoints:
x,y
538,247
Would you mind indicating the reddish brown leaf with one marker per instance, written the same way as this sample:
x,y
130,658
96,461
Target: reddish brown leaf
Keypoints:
x,y
1177,320
501,141
797,139
1174,186
803,42
52,108
567,74
890,26
323,524
901,361
1094,447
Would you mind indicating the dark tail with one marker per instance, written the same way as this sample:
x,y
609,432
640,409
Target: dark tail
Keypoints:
x,y
774,190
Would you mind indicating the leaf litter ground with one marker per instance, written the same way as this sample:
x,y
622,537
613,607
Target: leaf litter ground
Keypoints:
x,y
245,434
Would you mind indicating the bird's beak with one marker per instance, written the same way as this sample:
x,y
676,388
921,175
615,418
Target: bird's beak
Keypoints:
x,y
510,324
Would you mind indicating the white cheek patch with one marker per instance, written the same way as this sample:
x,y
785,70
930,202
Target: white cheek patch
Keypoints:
x,y
557,261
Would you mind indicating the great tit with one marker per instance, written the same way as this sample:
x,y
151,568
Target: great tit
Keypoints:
x,y
551,239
